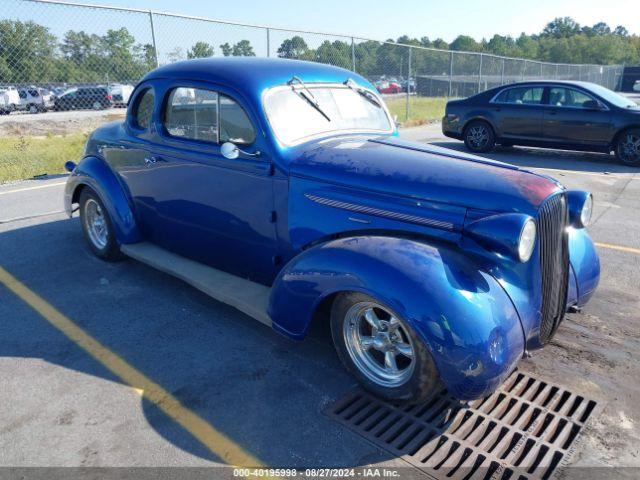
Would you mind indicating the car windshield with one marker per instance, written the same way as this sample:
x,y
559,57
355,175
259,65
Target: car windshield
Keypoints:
x,y
613,97
338,108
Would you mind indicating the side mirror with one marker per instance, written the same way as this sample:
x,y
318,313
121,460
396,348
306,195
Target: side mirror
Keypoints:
x,y
229,150
592,105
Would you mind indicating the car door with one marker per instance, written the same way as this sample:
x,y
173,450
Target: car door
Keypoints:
x,y
517,112
196,202
573,117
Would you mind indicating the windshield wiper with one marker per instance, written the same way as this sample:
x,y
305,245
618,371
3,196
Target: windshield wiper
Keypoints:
x,y
365,93
306,95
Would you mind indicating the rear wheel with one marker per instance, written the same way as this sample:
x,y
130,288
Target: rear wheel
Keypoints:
x,y
381,350
97,227
479,136
628,147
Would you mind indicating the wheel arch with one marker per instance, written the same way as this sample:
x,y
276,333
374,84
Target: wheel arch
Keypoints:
x,y
453,307
94,173
482,118
619,132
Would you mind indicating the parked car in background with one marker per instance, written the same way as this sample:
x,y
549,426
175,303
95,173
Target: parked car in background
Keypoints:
x,y
636,86
95,98
35,100
550,114
389,87
9,100
120,94
281,187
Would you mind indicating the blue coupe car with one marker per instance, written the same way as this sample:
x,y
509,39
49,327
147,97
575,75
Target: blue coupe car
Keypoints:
x,y
281,187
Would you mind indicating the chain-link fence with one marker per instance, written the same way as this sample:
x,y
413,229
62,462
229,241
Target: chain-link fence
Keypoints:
x,y
47,47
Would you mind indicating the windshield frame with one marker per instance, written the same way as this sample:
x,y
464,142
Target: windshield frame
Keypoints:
x,y
308,138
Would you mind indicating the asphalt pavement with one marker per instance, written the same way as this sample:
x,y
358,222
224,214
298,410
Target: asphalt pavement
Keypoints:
x,y
69,402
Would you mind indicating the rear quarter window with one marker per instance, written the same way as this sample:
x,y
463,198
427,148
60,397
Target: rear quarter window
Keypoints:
x,y
143,109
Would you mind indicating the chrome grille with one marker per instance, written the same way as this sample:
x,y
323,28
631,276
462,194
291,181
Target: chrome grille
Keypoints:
x,y
554,264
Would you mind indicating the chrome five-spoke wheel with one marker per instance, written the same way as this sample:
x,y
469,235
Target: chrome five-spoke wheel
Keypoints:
x,y
96,224
378,344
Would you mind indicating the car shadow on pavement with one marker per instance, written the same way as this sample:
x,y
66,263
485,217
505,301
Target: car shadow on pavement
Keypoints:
x,y
571,161
263,391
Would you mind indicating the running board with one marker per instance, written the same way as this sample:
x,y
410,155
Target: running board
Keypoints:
x,y
249,297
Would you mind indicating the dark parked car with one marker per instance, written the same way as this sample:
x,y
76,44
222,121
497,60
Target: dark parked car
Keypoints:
x,y
551,114
96,98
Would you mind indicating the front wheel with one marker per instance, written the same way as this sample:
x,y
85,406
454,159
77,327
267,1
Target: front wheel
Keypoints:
x,y
381,350
479,137
628,147
97,227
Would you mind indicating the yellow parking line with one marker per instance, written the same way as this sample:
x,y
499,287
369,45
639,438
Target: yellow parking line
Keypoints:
x,y
217,442
26,189
620,248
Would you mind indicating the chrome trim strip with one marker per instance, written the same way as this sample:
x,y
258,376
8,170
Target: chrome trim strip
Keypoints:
x,y
377,212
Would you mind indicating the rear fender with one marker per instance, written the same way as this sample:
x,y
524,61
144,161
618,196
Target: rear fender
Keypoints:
x,y
96,174
461,313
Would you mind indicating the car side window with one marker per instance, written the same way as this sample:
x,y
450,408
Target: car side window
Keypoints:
x,y
144,109
235,125
206,115
192,113
521,96
568,97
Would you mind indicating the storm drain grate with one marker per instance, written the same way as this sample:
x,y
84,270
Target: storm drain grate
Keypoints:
x,y
527,429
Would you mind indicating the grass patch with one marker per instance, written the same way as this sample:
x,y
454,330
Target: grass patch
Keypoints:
x,y
421,109
25,156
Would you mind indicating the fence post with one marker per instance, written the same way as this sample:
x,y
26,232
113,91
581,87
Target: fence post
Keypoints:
x,y
408,85
502,73
153,38
524,68
557,71
480,75
451,74
353,53
268,42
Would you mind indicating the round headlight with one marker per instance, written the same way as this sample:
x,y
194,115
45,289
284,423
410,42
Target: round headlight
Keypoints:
x,y
587,211
527,240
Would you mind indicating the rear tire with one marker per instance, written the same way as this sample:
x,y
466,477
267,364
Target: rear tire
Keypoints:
x,y
479,137
409,376
627,147
97,227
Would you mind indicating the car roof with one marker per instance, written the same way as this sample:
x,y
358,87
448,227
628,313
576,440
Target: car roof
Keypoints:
x,y
253,74
574,83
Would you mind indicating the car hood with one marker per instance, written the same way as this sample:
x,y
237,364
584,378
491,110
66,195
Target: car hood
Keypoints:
x,y
394,166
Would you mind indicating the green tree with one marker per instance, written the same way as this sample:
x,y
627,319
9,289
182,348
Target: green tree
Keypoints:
x,y
227,50
294,47
26,52
334,53
200,50
243,49
561,27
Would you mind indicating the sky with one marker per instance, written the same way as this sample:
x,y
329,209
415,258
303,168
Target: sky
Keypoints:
x,y
390,19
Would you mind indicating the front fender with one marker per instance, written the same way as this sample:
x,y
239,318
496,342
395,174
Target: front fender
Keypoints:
x,y
95,173
462,314
585,264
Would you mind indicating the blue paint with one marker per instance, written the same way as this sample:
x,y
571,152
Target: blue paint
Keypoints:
x,y
427,231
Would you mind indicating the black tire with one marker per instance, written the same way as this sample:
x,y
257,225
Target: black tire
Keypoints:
x,y
479,137
110,251
627,147
424,379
